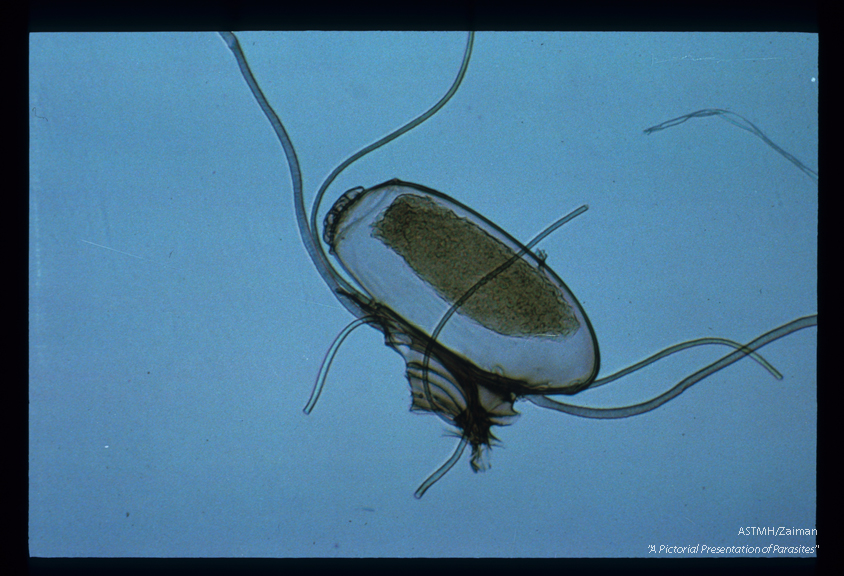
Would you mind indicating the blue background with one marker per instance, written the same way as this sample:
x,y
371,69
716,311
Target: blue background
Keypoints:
x,y
177,325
